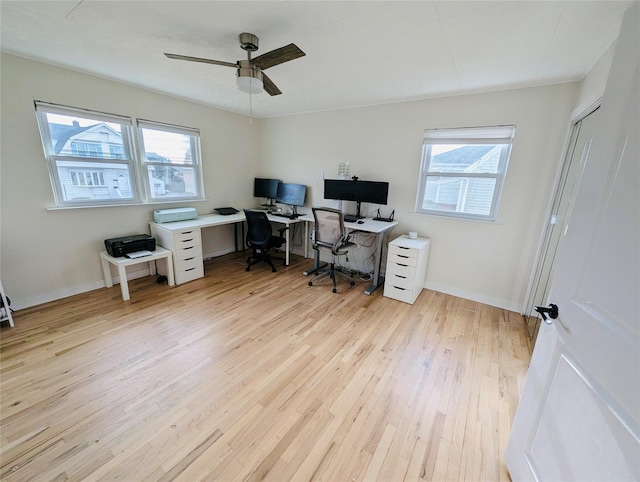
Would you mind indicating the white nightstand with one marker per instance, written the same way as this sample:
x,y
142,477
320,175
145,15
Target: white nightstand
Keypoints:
x,y
406,268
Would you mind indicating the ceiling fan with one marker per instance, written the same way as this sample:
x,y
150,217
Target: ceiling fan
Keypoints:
x,y
250,76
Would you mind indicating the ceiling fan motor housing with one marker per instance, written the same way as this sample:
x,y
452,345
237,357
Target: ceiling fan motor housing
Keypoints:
x,y
248,41
247,69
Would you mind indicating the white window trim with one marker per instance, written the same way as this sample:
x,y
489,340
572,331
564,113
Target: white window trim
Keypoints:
x,y
196,157
133,159
466,135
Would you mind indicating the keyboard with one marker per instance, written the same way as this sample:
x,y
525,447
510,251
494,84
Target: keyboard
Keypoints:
x,y
288,216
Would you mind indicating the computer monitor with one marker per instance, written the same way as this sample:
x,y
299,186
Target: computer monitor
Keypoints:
x,y
372,192
375,192
266,188
291,194
339,189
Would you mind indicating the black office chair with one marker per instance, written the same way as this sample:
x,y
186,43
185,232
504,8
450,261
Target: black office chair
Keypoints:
x,y
330,236
261,239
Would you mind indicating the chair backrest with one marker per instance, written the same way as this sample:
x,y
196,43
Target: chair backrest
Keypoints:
x,y
329,227
258,228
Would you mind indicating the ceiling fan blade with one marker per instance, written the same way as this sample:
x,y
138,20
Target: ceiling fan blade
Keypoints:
x,y
277,56
269,87
198,59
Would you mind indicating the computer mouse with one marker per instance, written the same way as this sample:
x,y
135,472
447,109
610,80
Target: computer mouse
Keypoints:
x,y
360,222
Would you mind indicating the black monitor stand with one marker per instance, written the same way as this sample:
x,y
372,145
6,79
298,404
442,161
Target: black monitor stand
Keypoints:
x,y
270,205
352,218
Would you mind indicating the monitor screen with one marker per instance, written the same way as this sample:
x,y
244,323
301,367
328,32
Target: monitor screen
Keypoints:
x,y
340,189
372,192
361,191
291,194
266,188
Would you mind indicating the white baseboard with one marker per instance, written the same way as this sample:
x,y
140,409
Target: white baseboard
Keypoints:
x,y
76,290
83,288
480,298
216,254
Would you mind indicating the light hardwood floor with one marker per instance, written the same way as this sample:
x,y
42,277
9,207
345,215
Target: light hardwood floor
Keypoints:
x,y
249,376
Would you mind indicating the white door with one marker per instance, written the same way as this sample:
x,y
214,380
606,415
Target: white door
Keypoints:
x,y
579,415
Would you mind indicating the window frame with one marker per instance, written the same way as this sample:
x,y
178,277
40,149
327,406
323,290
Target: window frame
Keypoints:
x,y
196,158
132,158
493,135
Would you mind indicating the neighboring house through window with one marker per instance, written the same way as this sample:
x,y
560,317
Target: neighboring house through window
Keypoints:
x,y
93,162
462,171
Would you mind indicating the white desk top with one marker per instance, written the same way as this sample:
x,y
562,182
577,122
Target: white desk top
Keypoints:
x,y
369,225
207,220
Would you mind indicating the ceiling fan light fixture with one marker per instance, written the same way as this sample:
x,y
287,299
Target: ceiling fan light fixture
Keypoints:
x,y
249,78
249,85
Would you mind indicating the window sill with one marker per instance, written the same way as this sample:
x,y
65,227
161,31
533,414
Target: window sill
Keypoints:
x,y
64,208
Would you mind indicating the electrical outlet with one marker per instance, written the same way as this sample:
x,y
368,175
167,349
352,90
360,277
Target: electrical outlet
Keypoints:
x,y
320,174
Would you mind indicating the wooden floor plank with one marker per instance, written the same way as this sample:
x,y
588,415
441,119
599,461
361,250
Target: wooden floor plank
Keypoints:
x,y
257,376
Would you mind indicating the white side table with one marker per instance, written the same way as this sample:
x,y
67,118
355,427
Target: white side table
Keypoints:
x,y
123,262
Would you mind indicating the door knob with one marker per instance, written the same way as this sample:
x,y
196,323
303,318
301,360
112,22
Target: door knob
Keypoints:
x,y
551,310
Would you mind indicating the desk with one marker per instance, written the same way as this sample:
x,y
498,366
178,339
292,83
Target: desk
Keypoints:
x,y
184,240
379,228
123,262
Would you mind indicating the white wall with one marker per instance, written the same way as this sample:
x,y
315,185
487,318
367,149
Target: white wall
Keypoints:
x,y
488,262
49,254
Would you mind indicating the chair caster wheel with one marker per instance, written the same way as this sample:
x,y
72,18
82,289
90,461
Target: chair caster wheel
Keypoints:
x,y
310,283
273,270
247,269
334,290
352,283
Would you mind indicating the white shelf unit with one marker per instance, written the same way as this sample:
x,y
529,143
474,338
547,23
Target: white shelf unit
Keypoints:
x,y
407,261
5,310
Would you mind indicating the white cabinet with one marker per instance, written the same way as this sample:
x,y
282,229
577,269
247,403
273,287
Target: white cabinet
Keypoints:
x,y
406,268
186,245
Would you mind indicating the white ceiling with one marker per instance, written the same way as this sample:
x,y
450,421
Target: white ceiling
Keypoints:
x,y
358,52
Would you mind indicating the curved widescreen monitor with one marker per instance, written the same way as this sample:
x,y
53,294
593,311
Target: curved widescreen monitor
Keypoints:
x,y
291,194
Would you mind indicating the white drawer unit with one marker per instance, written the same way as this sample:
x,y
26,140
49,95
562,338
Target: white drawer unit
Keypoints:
x,y
186,245
406,268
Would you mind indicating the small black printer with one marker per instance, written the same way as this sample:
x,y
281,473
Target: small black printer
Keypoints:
x,y
128,244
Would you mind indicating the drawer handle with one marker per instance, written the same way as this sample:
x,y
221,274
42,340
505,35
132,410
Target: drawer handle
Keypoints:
x,y
186,232
188,247
405,265
401,256
398,276
186,240
398,288
189,259
402,247
190,269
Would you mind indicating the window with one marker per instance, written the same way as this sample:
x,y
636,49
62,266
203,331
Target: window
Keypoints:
x,y
462,171
171,161
93,162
